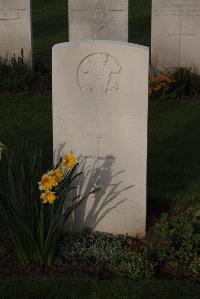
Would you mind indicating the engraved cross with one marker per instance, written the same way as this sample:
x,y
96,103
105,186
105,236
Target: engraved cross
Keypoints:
x,y
99,15
180,35
99,150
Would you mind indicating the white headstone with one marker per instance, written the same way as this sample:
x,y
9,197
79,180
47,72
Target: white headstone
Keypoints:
x,y
175,34
15,29
98,19
100,103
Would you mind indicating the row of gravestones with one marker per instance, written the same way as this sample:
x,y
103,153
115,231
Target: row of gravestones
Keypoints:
x,y
175,28
100,99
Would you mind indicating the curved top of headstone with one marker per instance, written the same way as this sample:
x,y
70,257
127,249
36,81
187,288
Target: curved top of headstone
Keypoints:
x,y
99,65
101,42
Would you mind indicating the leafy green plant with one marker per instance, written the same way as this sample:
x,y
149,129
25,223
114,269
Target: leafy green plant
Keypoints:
x,y
93,245
195,267
187,82
35,225
110,250
133,265
15,74
175,241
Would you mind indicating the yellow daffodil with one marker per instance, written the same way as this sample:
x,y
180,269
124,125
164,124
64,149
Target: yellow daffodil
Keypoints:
x,y
47,182
48,197
56,174
68,161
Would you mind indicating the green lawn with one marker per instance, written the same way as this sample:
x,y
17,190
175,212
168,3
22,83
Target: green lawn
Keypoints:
x,y
173,156
74,288
26,116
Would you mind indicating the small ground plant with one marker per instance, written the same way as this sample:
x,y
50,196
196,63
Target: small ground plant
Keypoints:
x,y
179,83
175,243
161,84
15,75
113,251
187,82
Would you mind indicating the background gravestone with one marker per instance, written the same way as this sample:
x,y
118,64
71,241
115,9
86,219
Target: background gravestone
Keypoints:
x,y
175,34
15,29
98,19
100,103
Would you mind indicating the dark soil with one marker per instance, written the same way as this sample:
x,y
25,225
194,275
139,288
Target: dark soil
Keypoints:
x,y
10,267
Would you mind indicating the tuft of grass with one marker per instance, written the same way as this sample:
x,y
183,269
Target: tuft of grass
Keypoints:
x,y
15,75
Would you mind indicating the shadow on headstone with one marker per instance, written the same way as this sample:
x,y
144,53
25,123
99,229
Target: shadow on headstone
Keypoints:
x,y
95,173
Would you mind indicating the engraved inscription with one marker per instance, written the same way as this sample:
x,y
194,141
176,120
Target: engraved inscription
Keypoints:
x,y
89,122
186,8
83,16
98,74
10,14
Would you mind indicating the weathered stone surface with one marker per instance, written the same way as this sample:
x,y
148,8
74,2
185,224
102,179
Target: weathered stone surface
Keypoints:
x,y
98,19
15,29
175,34
100,102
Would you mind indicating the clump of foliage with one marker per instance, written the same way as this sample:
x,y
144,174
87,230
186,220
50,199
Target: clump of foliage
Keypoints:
x,y
132,264
175,243
99,246
15,75
187,82
161,84
112,251
181,82
35,215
